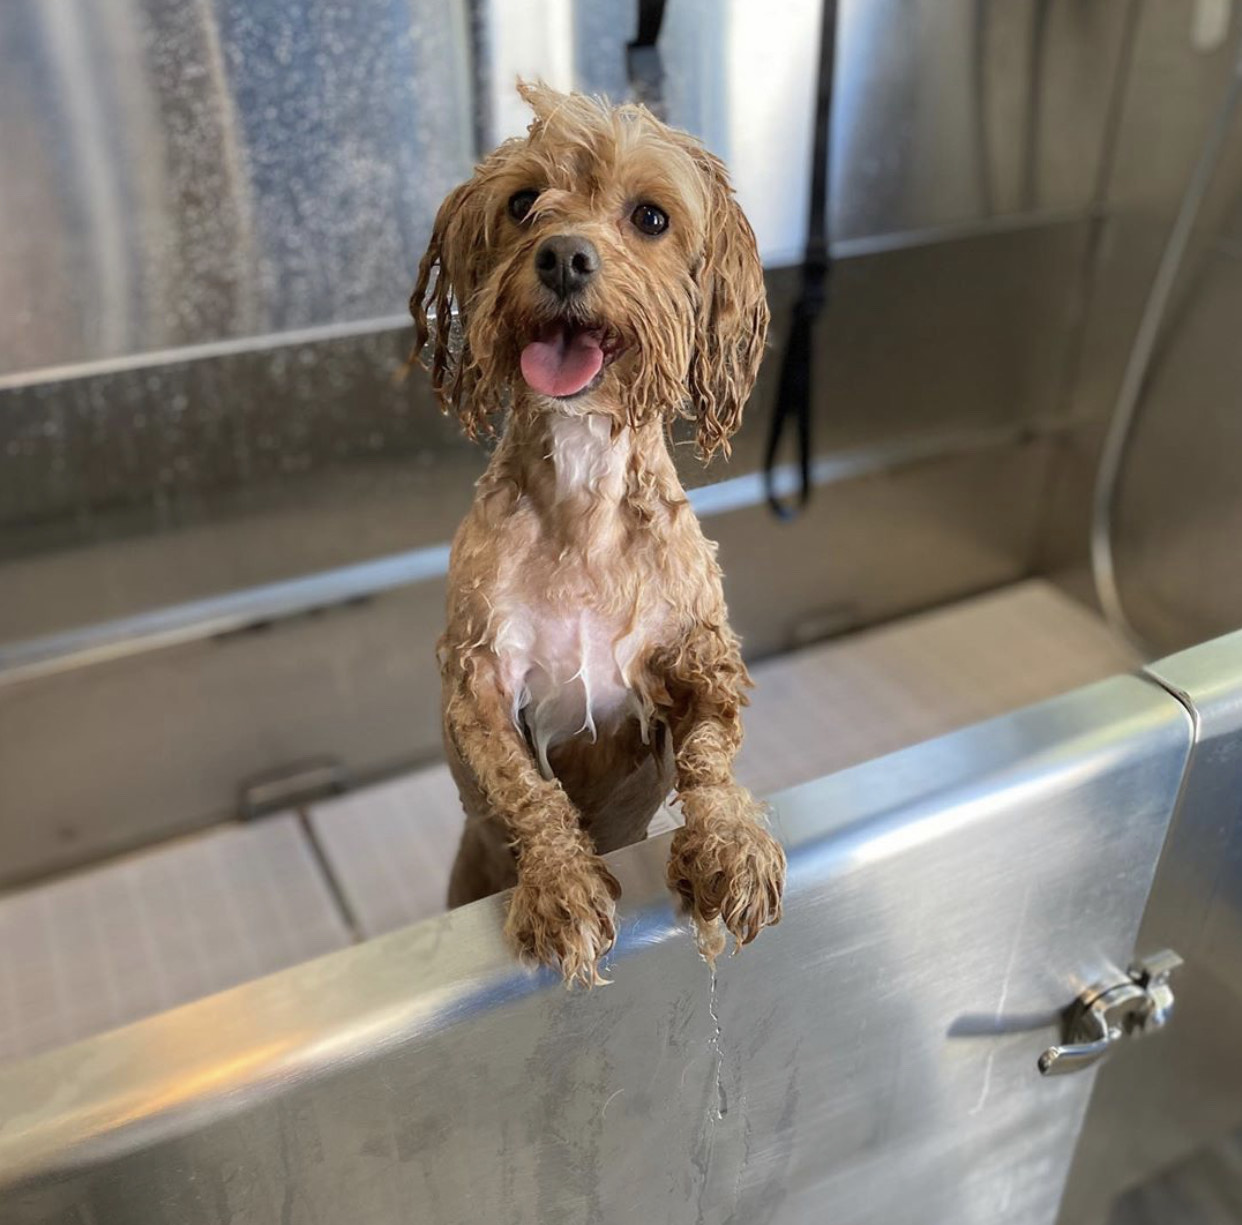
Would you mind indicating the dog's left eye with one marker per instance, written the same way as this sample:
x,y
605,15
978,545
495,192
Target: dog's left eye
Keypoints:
x,y
649,219
521,202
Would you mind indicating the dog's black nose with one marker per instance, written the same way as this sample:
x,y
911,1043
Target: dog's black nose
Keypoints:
x,y
566,263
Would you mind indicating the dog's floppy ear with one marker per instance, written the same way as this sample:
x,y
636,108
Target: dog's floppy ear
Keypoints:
x,y
447,278
731,324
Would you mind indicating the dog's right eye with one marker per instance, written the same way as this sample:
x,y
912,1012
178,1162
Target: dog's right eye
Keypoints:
x,y
521,202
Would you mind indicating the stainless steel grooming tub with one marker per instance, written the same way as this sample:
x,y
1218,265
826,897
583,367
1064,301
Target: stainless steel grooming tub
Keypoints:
x,y
223,534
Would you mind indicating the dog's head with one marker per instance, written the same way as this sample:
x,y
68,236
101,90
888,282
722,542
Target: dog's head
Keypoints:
x,y
604,252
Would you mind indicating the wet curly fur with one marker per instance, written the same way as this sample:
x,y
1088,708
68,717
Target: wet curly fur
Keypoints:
x,y
581,547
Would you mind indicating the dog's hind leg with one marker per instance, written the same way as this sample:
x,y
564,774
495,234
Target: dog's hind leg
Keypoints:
x,y
484,864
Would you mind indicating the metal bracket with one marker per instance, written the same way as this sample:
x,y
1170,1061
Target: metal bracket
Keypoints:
x,y
291,786
1103,1015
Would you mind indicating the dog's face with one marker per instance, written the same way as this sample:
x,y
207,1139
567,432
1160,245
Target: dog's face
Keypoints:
x,y
605,254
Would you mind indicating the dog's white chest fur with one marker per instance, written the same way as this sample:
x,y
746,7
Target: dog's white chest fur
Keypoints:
x,y
566,674
566,665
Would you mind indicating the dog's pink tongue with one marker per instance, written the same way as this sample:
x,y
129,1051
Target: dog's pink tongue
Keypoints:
x,y
562,361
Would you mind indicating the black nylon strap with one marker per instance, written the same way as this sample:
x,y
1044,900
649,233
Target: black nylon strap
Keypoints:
x,y
650,18
793,393
642,57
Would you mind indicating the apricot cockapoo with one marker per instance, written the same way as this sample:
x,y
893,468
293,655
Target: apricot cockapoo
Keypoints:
x,y
601,281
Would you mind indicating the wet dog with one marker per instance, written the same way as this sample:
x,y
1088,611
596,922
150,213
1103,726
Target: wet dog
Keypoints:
x,y
603,282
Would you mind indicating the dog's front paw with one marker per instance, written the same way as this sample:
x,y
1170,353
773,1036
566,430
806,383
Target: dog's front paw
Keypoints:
x,y
563,914
729,869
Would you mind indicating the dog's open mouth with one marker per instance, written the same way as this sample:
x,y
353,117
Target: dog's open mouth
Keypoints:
x,y
566,358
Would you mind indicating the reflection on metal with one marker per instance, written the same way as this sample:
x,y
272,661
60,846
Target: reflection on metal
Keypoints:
x,y
292,201
199,172
1177,482
1178,515
201,352
1124,1005
223,614
221,172
1209,24
1135,378
875,1052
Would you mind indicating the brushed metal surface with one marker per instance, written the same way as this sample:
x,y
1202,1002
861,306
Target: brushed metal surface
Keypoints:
x,y
193,172
1156,1104
157,439
168,924
149,478
140,450
962,110
1151,330
872,1060
132,751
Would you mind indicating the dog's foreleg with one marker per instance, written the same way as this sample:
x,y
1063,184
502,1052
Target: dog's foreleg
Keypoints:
x,y
562,912
724,862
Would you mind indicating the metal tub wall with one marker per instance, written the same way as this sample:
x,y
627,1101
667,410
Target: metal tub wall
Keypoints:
x,y
1177,503
1179,508
140,482
194,173
265,405
872,1059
